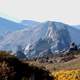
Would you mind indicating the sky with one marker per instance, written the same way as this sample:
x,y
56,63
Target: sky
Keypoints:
x,y
67,11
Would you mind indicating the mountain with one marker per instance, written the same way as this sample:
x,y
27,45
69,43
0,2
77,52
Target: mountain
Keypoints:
x,y
76,26
7,26
37,38
29,23
21,37
74,34
44,36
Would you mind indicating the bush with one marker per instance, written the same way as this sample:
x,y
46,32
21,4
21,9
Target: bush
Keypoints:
x,y
67,75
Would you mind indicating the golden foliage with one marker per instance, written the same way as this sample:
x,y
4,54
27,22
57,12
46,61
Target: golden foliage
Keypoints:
x,y
67,75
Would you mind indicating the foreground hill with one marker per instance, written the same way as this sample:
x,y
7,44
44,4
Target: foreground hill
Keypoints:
x,y
13,69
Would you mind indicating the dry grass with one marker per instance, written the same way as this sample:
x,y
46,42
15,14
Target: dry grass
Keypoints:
x,y
72,64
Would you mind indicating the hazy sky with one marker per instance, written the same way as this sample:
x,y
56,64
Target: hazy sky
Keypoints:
x,y
59,10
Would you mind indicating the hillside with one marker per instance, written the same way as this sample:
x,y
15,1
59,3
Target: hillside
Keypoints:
x,y
56,63
13,69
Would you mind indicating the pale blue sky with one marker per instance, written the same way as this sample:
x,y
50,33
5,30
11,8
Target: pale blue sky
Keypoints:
x,y
67,11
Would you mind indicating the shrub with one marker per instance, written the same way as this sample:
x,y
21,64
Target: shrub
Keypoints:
x,y
67,75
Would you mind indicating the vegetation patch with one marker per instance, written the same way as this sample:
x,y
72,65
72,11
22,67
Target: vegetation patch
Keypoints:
x,y
67,75
13,69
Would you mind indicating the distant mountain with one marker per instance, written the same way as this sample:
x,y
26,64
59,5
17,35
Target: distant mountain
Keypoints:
x,y
54,36
36,38
7,26
30,23
76,26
